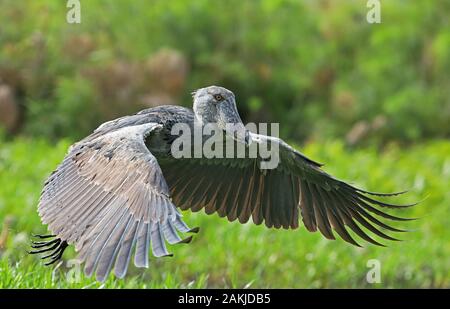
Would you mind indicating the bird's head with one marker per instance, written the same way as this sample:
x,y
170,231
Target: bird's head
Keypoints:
x,y
217,105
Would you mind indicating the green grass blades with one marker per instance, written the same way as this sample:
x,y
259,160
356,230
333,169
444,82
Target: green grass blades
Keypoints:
x,y
231,255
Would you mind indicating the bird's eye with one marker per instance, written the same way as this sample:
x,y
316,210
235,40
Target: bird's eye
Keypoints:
x,y
218,97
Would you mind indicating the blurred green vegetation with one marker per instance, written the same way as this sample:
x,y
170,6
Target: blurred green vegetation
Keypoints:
x,y
249,255
317,67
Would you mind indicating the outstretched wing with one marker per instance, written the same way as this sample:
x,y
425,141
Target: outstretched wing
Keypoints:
x,y
109,196
240,189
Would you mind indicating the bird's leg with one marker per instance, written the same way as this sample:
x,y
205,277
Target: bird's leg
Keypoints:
x,y
42,236
41,244
53,245
52,254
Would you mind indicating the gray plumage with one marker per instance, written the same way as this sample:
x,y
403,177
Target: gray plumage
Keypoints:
x,y
117,190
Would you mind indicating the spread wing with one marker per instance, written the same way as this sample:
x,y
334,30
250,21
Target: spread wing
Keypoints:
x,y
109,196
240,189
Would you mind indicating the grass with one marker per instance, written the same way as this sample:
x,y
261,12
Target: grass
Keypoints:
x,y
226,254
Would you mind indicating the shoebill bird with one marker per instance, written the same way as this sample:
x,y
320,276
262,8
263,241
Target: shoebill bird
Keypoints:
x,y
115,194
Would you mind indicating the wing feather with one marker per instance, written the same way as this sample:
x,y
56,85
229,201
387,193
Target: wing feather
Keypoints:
x,y
297,187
